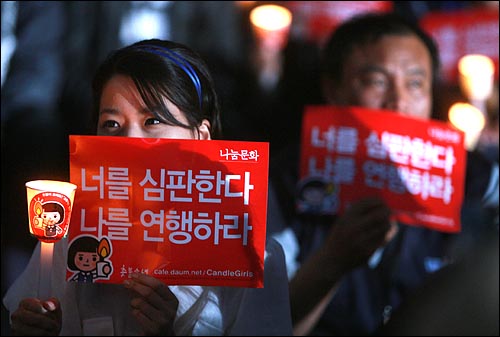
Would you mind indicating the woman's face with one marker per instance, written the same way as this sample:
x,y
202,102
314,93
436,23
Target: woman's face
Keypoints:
x,y
122,112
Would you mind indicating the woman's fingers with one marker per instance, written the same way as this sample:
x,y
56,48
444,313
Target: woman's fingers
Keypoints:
x,y
155,307
34,317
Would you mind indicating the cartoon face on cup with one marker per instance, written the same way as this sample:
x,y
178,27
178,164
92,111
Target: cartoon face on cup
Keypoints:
x,y
49,208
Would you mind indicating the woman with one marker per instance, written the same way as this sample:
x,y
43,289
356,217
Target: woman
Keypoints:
x,y
154,89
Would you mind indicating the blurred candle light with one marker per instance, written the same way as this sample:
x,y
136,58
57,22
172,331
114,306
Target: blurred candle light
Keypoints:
x,y
468,119
245,4
476,77
271,28
271,25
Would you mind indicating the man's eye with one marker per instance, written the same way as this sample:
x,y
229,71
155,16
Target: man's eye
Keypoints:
x,y
375,82
110,124
152,121
415,84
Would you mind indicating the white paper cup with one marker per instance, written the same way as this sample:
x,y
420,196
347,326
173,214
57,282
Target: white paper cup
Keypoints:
x,y
50,204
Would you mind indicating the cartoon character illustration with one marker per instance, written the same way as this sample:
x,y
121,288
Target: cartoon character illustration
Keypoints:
x,y
48,217
317,196
87,257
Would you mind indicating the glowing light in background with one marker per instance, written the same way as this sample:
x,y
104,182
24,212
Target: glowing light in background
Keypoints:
x,y
271,28
476,74
468,119
271,17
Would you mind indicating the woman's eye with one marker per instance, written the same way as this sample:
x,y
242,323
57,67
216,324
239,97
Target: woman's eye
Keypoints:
x,y
110,124
152,121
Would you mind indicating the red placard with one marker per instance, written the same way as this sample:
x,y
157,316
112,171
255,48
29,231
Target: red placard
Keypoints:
x,y
188,212
416,166
315,20
462,32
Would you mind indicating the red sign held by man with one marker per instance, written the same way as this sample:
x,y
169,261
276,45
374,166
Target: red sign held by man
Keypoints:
x,y
416,166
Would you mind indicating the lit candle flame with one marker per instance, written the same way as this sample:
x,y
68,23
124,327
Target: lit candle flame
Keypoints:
x,y
103,248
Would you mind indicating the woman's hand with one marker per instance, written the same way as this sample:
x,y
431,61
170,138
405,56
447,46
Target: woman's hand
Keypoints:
x,y
36,318
155,306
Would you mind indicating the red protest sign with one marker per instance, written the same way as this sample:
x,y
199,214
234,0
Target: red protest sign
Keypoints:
x,y
187,212
462,32
416,166
317,19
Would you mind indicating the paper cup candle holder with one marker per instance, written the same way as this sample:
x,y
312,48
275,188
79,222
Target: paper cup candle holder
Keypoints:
x,y
49,208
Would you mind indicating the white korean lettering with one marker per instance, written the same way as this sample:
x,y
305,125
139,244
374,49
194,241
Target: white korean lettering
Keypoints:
x,y
153,193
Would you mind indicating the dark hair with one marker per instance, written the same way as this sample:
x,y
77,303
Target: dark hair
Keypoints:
x,y
162,69
367,28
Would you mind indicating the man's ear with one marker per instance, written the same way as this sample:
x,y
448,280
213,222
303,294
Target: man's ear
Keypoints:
x,y
204,130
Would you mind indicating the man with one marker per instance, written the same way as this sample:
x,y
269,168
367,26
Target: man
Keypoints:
x,y
379,62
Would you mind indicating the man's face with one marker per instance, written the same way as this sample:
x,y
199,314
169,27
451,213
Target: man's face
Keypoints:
x,y
394,73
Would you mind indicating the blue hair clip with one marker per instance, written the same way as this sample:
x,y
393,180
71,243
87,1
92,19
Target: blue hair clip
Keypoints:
x,y
180,61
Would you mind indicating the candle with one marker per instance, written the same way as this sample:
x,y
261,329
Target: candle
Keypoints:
x,y
271,26
476,77
44,285
49,210
468,119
